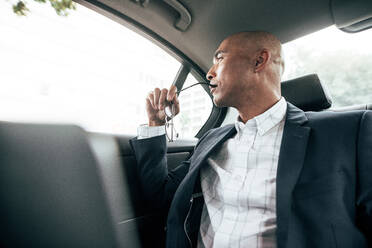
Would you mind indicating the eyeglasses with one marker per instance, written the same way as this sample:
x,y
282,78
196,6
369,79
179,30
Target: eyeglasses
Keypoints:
x,y
170,131
170,113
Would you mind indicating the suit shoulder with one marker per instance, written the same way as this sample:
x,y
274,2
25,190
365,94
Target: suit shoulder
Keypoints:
x,y
336,118
335,115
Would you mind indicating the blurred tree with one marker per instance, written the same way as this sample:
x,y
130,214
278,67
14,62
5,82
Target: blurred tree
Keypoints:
x,y
346,73
60,6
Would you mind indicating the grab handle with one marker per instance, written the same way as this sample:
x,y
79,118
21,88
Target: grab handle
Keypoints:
x,y
184,21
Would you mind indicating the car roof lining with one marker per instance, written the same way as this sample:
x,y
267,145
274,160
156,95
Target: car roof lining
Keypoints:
x,y
291,19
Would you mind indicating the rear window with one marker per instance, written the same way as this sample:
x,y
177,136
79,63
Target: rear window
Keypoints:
x,y
342,61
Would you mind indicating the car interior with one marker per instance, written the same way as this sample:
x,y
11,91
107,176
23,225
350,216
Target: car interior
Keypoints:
x,y
64,186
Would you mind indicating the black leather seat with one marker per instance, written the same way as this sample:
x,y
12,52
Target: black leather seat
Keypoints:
x,y
51,192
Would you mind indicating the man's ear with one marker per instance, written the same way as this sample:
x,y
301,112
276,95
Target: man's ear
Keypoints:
x,y
261,60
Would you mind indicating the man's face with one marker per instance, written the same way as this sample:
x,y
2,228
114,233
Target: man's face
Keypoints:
x,y
232,72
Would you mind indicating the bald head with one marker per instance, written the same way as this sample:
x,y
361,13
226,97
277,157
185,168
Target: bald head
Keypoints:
x,y
246,72
253,41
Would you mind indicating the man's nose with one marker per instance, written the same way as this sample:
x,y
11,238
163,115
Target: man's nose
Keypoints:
x,y
211,74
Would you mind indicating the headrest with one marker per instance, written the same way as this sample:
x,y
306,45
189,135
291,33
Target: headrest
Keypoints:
x,y
306,93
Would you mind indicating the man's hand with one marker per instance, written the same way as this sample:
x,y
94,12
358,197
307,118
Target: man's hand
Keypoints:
x,y
156,102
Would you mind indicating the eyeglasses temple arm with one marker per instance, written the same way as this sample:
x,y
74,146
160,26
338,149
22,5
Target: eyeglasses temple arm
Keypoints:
x,y
178,92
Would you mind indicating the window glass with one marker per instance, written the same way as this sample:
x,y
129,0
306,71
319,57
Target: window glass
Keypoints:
x,y
83,69
195,108
342,61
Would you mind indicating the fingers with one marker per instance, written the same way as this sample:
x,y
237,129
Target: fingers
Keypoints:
x,y
159,99
172,96
162,99
172,93
150,99
149,106
156,98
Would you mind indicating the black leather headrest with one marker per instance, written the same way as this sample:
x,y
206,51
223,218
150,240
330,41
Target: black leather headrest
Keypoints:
x,y
306,93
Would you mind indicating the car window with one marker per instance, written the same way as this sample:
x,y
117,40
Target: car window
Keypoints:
x,y
195,108
342,60
84,69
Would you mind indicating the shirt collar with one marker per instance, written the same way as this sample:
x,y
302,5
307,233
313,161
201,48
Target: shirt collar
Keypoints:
x,y
265,121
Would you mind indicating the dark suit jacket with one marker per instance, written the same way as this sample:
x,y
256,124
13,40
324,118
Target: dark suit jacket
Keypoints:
x,y
324,181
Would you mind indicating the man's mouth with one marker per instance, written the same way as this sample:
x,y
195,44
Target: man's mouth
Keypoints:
x,y
212,87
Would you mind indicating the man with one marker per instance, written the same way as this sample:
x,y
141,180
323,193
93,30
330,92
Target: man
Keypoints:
x,y
279,177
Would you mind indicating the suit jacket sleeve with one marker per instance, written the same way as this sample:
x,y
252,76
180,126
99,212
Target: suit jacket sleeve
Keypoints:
x,y
364,189
158,185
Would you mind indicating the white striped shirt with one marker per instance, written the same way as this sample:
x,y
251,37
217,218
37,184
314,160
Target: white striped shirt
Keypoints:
x,y
239,185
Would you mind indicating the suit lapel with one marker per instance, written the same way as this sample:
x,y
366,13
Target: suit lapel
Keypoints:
x,y
291,158
211,143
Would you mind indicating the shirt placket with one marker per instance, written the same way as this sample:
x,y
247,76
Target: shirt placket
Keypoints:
x,y
233,184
